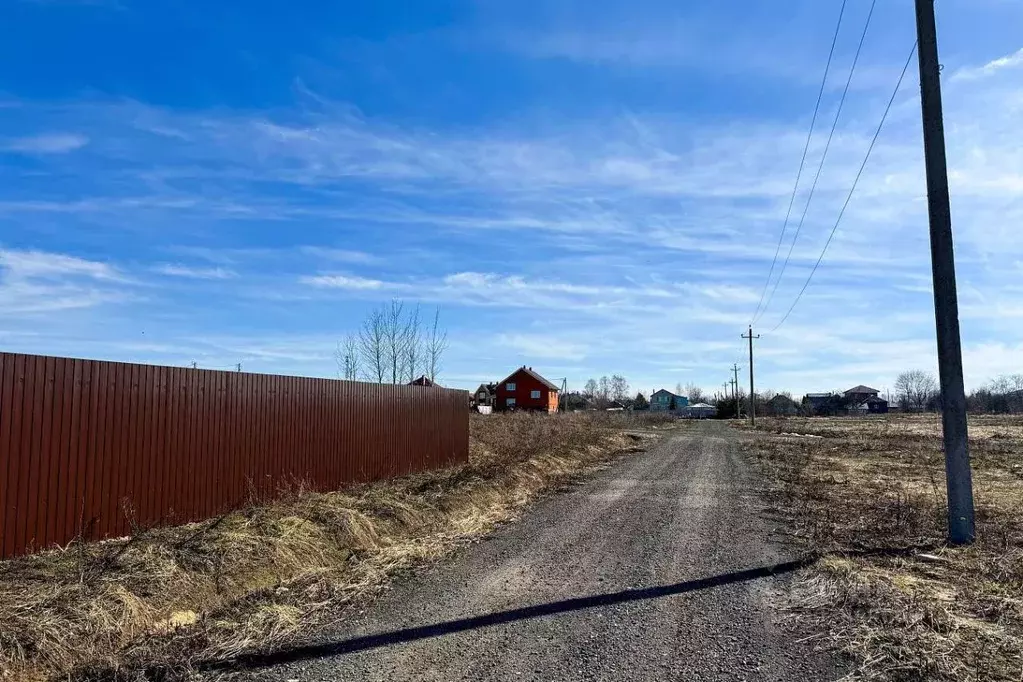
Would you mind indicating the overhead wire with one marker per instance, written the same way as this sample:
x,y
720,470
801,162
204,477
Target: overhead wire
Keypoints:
x,y
852,190
802,161
824,157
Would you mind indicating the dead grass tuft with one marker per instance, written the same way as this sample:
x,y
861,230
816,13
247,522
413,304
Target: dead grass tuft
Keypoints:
x,y
932,612
150,606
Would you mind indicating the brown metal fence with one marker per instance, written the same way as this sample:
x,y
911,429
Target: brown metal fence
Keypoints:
x,y
90,447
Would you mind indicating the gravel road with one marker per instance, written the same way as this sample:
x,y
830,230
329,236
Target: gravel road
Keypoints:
x,y
658,568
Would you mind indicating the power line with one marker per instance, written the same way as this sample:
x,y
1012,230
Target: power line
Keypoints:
x,y
856,181
802,161
824,157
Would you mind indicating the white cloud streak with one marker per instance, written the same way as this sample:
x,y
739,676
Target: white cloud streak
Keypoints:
x,y
49,143
191,272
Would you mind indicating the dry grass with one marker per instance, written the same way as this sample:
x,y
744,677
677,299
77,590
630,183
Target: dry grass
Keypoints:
x,y
916,610
151,606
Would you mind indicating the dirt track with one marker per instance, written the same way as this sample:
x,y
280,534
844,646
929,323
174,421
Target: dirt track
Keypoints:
x,y
658,568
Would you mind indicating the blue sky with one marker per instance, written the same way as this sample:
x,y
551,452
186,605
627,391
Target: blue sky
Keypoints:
x,y
584,187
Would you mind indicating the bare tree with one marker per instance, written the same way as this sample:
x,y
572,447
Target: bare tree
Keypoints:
x,y
412,345
372,340
348,357
915,388
694,393
619,388
590,390
391,347
394,339
603,392
436,345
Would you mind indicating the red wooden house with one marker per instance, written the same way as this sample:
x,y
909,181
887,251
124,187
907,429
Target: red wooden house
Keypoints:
x,y
526,390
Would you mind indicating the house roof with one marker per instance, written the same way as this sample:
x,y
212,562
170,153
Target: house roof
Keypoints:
x,y
862,389
661,390
488,388
530,372
422,381
779,398
819,395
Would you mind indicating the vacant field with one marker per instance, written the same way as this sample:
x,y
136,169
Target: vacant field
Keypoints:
x,y
868,495
157,604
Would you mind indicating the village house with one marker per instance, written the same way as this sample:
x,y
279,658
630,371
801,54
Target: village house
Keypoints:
x,y
485,395
664,401
525,389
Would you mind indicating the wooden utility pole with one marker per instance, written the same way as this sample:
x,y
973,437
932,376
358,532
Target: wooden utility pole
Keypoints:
x,y
752,393
958,478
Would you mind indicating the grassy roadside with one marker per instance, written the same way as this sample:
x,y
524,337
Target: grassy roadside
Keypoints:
x,y
151,606
916,610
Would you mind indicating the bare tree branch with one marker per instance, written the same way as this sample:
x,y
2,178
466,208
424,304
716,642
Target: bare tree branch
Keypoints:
x,y
435,347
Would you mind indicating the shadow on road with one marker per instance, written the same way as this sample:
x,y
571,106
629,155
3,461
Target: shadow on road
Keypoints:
x,y
355,644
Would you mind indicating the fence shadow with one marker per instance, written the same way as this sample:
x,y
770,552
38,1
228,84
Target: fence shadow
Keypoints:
x,y
357,644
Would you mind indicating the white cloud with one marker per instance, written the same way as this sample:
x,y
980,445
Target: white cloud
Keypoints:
x,y
991,68
41,264
346,282
179,270
37,282
340,255
50,143
544,346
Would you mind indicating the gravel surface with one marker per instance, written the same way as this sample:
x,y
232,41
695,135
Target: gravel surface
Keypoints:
x,y
658,568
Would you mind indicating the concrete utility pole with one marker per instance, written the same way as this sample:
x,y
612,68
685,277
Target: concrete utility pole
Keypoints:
x,y
958,479
752,393
735,384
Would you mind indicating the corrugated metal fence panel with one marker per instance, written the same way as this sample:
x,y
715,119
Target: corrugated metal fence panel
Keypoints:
x,y
93,449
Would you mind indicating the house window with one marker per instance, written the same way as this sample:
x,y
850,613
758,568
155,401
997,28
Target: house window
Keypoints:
x,y
510,386
535,395
483,394
510,402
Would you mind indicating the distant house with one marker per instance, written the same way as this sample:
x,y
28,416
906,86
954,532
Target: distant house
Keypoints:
x,y
575,402
423,381
861,394
698,411
615,406
876,405
857,400
820,404
663,401
782,405
525,389
485,395
865,400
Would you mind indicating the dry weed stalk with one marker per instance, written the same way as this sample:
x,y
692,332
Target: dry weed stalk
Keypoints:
x,y
936,613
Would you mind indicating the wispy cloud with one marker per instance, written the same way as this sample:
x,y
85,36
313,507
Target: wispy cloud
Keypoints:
x,y
37,282
1011,61
543,346
347,282
179,270
41,264
339,255
49,143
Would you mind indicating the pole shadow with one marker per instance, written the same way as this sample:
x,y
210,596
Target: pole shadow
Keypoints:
x,y
357,644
